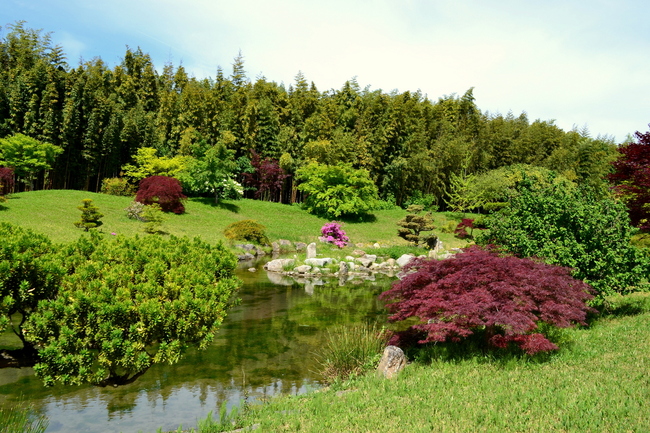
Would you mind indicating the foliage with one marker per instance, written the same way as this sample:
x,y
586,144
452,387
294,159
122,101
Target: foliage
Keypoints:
x,y
413,224
134,211
27,156
631,179
461,229
427,201
478,290
247,230
6,180
166,191
129,303
90,216
333,191
351,350
213,173
21,420
572,228
29,273
153,217
334,234
463,195
117,186
267,177
147,164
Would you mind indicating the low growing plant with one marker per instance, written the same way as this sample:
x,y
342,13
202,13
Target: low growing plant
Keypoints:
x,y
117,186
247,230
153,217
22,420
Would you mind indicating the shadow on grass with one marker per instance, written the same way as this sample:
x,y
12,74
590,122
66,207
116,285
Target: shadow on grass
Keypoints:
x,y
209,201
355,219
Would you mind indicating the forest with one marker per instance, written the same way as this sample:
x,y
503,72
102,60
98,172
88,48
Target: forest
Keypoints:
x,y
100,118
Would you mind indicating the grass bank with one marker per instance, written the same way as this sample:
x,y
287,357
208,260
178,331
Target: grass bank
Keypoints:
x,y
53,213
598,382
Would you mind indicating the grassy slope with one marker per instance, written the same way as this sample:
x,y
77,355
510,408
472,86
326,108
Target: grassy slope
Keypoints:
x,y
54,212
598,382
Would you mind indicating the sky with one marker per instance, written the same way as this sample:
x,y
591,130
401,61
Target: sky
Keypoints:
x,y
580,63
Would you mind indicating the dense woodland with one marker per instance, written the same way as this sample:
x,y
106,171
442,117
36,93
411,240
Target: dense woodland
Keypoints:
x,y
411,145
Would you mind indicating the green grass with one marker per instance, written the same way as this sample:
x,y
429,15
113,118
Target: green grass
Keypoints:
x,y
597,383
54,212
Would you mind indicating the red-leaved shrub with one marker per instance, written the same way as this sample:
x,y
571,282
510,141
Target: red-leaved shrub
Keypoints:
x,y
6,180
164,190
481,290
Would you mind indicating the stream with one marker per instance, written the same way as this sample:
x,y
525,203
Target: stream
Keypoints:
x,y
266,346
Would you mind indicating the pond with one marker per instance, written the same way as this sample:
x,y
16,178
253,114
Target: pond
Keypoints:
x,y
265,346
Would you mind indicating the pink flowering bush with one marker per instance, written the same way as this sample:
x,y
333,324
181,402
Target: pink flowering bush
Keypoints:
x,y
334,234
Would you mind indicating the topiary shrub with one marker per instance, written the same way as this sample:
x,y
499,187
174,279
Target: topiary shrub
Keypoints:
x,y
413,224
117,186
504,297
246,230
90,216
166,191
153,217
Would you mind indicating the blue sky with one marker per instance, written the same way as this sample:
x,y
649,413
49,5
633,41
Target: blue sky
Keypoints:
x,y
580,63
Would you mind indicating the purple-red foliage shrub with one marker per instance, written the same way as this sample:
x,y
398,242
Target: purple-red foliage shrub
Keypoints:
x,y
481,290
267,179
461,229
334,234
6,180
631,178
164,190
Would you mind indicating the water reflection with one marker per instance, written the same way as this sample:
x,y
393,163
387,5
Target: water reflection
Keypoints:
x,y
264,348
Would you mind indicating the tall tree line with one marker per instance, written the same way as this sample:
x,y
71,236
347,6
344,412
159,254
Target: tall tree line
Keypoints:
x,y
410,144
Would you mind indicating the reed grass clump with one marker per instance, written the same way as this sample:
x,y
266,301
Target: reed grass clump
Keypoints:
x,y
22,419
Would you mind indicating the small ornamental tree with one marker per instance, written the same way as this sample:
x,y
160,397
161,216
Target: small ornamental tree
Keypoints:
x,y
266,179
631,179
166,191
461,229
129,303
414,223
90,216
480,290
334,234
6,181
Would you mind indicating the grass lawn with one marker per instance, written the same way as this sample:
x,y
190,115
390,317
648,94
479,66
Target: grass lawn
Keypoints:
x,y
53,213
598,382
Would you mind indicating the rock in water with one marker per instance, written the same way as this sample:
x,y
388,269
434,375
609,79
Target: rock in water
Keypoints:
x,y
392,362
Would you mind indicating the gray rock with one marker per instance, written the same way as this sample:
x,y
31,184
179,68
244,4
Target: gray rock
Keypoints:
x,y
311,251
259,251
300,246
278,265
343,269
367,260
276,247
318,262
245,257
392,362
390,263
302,269
252,269
404,259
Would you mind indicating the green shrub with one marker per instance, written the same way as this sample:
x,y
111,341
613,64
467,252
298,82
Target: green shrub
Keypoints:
x,y
90,216
247,230
351,350
117,186
134,211
153,217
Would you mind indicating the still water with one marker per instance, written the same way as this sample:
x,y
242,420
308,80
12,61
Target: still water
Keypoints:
x,y
265,346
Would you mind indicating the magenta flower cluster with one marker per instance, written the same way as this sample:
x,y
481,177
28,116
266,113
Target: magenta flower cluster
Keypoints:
x,y
334,234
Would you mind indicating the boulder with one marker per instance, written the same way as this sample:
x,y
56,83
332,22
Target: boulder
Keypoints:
x,y
404,259
367,260
276,248
392,362
311,251
318,262
245,257
343,269
278,265
302,269
300,246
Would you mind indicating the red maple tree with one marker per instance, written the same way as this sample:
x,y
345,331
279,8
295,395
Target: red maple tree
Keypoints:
x,y
481,290
164,190
631,178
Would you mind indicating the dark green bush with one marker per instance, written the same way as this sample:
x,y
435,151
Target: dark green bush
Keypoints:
x,y
247,230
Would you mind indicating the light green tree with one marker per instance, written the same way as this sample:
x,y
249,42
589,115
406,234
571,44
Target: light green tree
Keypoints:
x,y
27,156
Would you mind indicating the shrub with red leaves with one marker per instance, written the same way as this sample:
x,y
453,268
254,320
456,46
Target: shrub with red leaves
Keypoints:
x,y
461,232
480,290
267,179
631,178
164,190
6,180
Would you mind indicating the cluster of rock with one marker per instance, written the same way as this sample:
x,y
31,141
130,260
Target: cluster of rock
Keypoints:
x,y
282,246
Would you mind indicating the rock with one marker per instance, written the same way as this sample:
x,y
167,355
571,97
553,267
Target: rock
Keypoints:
x,y
300,246
318,262
359,253
252,269
376,245
278,265
302,269
349,258
245,257
311,251
276,247
259,251
392,362
343,269
404,259
367,260
390,263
